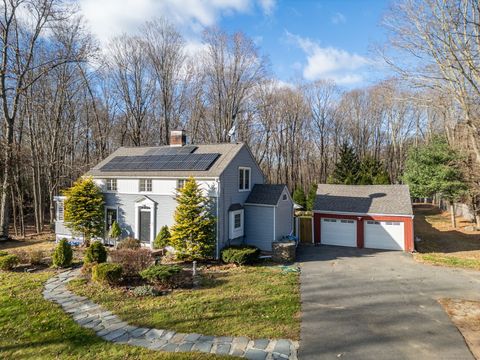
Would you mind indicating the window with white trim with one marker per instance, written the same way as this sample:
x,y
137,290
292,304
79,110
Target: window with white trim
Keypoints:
x,y
244,179
145,185
111,184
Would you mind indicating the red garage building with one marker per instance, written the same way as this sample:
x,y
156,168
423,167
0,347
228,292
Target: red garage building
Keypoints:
x,y
364,216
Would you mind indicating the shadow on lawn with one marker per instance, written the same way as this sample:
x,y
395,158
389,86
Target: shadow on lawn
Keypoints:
x,y
434,239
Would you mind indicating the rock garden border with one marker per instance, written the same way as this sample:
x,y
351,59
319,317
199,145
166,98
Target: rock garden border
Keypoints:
x,y
111,328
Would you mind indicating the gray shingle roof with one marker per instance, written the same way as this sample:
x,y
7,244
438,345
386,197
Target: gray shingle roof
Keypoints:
x,y
364,199
227,153
265,194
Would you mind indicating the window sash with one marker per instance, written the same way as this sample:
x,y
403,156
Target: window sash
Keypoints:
x,y
181,183
111,184
111,215
237,220
244,179
145,185
60,211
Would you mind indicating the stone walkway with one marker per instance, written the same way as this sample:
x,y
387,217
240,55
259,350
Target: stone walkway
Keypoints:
x,y
111,328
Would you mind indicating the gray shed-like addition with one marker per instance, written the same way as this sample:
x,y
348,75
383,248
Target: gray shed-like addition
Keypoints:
x,y
268,215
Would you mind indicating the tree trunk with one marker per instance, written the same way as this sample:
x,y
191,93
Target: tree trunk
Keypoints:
x,y
5,202
452,214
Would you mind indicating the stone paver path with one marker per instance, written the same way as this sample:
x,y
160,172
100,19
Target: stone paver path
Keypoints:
x,y
111,328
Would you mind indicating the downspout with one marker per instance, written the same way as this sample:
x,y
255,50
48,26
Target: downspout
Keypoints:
x,y
217,245
274,224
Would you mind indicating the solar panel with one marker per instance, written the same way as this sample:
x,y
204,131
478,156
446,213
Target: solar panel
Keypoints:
x,y
174,150
195,162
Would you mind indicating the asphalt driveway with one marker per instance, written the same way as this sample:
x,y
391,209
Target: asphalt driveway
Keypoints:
x,y
366,304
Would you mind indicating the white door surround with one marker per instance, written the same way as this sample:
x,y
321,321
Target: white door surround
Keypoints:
x,y
145,203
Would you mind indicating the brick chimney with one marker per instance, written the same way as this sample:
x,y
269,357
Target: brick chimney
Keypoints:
x,y
178,138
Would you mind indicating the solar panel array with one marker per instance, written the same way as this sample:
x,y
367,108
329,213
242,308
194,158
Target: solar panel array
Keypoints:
x,y
172,150
195,162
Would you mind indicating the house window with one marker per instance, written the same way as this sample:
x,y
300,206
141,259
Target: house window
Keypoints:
x,y
244,179
111,184
60,210
284,197
236,224
111,216
181,183
145,185
238,221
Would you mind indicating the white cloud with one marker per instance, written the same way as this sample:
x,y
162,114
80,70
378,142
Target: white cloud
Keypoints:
x,y
330,63
338,18
108,18
268,6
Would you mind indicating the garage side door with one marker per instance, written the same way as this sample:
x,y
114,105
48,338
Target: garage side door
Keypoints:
x,y
388,235
338,232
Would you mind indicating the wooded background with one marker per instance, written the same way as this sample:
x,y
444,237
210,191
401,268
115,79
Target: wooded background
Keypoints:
x,y
66,103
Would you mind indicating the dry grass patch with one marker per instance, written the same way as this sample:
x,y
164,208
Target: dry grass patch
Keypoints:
x,y
443,245
465,315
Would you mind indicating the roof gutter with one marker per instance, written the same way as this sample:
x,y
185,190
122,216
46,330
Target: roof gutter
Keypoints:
x,y
360,214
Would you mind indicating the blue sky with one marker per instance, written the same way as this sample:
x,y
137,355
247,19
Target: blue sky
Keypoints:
x,y
305,39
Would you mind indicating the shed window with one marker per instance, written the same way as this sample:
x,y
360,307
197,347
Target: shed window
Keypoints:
x,y
238,221
244,179
111,184
145,185
284,197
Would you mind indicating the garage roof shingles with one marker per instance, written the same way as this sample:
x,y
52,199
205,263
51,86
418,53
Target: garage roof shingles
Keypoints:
x,y
265,194
364,199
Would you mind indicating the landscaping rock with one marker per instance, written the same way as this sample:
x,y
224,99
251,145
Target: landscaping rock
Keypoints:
x,y
261,344
283,251
254,354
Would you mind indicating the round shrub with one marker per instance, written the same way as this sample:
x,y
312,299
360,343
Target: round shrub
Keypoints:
x,y
145,290
129,243
161,274
8,262
163,238
240,255
63,254
107,273
95,253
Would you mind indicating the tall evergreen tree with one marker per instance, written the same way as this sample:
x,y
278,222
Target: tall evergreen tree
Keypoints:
x,y
372,172
193,234
84,209
299,197
347,167
434,168
312,195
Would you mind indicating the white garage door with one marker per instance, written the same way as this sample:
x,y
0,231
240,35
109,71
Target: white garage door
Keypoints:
x,y
339,232
387,235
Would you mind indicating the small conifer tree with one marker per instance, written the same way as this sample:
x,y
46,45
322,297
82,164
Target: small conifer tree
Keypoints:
x,y
163,238
115,231
299,197
84,209
193,234
312,194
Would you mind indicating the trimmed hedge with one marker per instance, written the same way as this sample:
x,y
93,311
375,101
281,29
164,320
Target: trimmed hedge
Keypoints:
x,y
160,273
63,254
8,262
240,254
95,253
129,243
107,273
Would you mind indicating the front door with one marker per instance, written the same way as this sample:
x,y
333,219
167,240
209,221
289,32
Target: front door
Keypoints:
x,y
145,224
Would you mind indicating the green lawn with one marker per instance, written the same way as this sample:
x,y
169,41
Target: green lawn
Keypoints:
x,y
255,301
449,260
33,328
